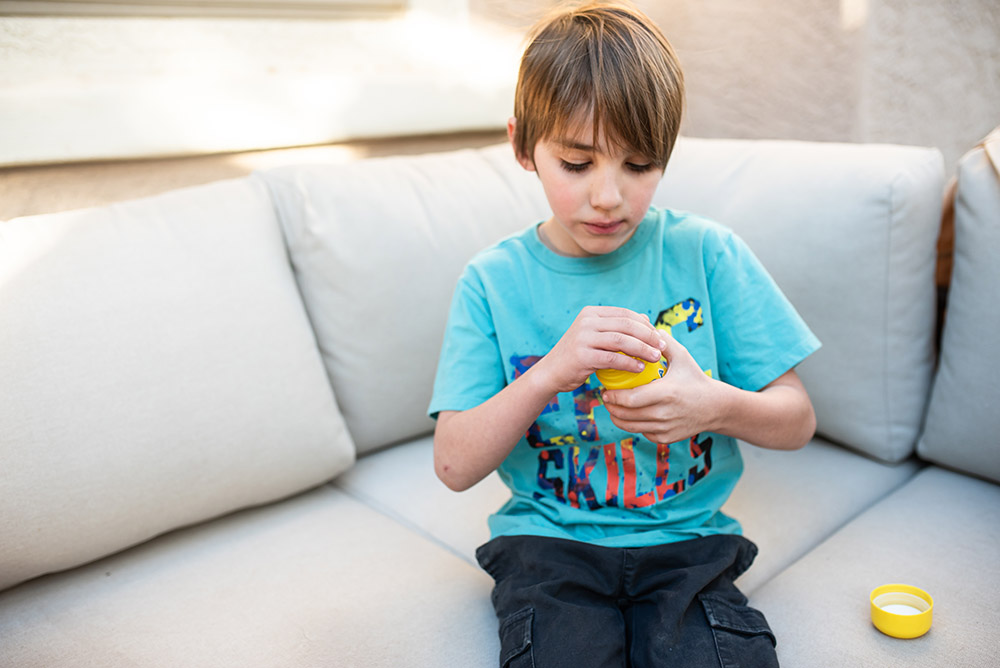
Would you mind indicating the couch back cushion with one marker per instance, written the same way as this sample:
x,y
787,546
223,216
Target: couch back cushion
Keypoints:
x,y
849,233
157,369
377,247
963,419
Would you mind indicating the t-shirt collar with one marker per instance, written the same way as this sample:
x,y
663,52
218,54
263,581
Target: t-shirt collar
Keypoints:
x,y
596,263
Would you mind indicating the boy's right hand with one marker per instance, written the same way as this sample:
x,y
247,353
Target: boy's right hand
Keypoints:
x,y
593,342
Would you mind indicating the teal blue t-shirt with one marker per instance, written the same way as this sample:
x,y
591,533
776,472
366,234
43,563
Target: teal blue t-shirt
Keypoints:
x,y
575,474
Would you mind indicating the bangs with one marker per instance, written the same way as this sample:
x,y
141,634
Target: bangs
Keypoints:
x,y
606,66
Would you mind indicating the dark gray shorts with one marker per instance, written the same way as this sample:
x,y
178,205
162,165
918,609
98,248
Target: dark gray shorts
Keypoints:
x,y
567,603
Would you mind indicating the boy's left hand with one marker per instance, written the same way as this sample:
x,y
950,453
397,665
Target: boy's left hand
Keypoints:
x,y
682,404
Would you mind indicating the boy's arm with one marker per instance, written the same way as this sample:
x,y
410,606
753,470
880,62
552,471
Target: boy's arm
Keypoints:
x,y
686,402
470,444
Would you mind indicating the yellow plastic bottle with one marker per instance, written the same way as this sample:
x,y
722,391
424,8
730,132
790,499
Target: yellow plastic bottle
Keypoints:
x,y
616,379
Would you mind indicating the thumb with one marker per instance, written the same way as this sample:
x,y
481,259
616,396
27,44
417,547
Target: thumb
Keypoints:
x,y
679,357
674,350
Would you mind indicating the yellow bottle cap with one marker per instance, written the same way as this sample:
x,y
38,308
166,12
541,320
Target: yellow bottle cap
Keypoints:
x,y
615,379
901,611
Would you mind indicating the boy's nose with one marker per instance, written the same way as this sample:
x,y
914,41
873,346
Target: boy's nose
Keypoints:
x,y
605,192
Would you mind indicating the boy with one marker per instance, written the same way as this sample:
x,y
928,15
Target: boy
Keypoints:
x,y
612,550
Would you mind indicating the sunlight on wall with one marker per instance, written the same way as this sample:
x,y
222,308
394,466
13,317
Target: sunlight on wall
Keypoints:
x,y
853,14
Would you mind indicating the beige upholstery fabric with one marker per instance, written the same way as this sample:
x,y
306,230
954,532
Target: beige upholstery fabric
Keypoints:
x,y
156,369
941,532
963,419
377,247
848,232
263,588
871,301
401,483
788,502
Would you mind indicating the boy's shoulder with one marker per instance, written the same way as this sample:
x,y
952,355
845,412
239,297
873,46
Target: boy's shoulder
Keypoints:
x,y
515,243
512,248
680,222
695,232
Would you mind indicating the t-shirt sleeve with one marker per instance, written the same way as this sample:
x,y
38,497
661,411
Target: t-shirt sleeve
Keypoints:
x,y
759,334
470,369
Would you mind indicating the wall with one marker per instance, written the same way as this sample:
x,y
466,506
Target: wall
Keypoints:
x,y
923,72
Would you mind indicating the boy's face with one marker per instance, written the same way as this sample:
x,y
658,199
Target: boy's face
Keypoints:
x,y
598,194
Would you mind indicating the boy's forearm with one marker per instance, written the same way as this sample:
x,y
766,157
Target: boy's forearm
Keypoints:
x,y
471,444
778,417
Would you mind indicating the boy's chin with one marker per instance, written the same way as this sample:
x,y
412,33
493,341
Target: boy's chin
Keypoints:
x,y
605,248
586,240
604,243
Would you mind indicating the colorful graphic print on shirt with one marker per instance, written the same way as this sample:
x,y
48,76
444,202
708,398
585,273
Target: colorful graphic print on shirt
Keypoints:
x,y
567,461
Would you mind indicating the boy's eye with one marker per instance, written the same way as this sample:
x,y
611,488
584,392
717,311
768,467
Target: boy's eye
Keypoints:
x,y
635,167
574,166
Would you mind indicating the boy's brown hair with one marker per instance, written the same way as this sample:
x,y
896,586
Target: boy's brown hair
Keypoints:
x,y
603,60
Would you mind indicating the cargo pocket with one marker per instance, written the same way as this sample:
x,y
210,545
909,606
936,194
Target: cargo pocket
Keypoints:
x,y
742,636
515,640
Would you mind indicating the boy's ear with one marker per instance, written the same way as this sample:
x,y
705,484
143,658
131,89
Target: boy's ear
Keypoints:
x,y
522,160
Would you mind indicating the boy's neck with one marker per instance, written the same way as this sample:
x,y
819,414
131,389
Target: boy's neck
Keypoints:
x,y
547,242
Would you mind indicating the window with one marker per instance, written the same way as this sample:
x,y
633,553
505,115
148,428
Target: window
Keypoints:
x,y
228,8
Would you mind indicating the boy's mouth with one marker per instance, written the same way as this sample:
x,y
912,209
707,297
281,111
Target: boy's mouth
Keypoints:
x,y
604,227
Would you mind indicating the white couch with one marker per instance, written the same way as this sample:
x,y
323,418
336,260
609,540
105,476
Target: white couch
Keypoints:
x,y
215,452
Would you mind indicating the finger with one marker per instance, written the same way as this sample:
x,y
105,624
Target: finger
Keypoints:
x,y
617,318
613,312
672,348
630,401
656,432
625,320
678,357
618,345
652,432
632,338
606,359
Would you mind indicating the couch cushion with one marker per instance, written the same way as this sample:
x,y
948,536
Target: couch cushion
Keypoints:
x,y
790,502
848,232
317,580
377,246
814,492
157,369
940,532
401,483
963,420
